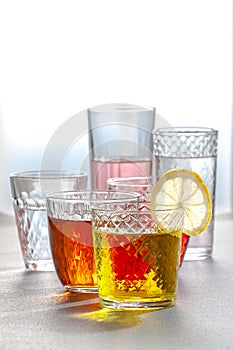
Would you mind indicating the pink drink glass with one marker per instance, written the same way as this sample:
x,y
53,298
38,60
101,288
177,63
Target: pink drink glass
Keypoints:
x,y
121,142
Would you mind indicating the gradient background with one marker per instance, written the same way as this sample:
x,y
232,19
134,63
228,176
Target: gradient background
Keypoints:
x,y
58,58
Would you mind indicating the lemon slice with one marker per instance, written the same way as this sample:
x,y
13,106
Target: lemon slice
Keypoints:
x,y
186,189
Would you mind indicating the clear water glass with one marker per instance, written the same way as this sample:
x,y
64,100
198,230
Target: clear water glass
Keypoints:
x,y
193,148
29,191
139,184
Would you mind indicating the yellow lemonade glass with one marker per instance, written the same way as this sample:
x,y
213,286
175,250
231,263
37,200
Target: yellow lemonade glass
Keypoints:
x,y
137,256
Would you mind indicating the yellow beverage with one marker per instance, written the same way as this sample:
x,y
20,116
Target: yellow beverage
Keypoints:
x,y
137,270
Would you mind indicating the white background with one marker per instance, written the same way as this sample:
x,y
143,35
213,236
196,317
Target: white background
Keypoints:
x,y
58,58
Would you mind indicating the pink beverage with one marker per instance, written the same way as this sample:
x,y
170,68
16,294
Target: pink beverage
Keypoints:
x,y
103,170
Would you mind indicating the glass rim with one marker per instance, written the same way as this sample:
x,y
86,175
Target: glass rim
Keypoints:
x,y
122,181
185,130
61,196
48,174
100,208
119,108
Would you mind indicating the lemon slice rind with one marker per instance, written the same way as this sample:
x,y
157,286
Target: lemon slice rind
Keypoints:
x,y
186,189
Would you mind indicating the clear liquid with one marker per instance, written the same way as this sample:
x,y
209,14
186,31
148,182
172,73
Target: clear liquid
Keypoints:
x,y
199,247
103,170
34,240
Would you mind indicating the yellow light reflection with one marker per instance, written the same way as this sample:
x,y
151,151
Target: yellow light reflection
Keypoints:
x,y
67,297
123,317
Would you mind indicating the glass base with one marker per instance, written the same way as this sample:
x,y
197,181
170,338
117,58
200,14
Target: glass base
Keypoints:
x,y
82,289
198,253
136,305
39,265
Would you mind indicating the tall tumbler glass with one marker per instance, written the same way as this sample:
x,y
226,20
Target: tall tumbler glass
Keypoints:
x,y
121,142
29,191
192,148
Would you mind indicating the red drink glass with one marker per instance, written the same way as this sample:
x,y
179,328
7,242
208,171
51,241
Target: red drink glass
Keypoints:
x,y
70,232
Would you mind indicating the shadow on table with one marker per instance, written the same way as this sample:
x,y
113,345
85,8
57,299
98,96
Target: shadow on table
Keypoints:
x,y
69,310
85,306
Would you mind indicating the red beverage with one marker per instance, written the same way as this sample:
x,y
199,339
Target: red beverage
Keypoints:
x,y
184,238
184,246
103,170
73,253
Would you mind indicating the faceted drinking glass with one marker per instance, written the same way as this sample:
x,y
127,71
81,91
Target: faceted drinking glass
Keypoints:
x,y
192,148
137,256
70,232
29,191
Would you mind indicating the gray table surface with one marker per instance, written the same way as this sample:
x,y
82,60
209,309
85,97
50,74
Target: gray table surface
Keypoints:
x,y
37,313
